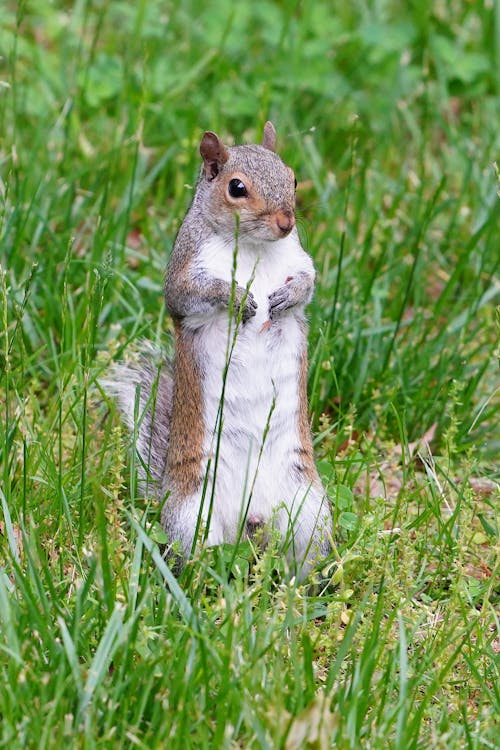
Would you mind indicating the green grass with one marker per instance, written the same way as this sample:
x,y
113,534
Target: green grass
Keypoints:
x,y
389,115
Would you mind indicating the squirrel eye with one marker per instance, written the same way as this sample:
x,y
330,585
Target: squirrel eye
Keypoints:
x,y
237,189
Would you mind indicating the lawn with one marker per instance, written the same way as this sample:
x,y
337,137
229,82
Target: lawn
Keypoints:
x,y
389,114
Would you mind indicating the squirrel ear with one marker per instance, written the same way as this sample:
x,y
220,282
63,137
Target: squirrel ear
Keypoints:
x,y
214,154
269,139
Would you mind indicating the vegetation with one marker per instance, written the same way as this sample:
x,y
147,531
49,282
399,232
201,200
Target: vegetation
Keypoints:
x,y
389,115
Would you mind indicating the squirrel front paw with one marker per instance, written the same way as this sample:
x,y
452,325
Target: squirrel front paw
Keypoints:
x,y
296,290
242,295
280,300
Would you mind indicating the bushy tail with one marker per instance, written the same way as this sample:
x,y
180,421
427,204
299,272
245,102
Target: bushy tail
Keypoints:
x,y
143,391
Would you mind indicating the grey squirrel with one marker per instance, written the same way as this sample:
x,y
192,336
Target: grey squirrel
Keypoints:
x,y
223,429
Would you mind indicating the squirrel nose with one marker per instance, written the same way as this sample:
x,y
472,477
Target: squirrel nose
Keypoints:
x,y
285,221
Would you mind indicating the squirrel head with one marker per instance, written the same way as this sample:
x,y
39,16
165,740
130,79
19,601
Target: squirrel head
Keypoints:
x,y
249,184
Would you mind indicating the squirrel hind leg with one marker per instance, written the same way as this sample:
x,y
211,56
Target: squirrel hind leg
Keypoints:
x,y
255,528
254,522
143,392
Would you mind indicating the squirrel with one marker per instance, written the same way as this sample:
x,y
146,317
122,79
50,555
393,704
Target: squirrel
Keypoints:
x,y
223,429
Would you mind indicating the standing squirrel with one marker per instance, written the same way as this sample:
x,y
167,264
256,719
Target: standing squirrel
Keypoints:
x,y
223,431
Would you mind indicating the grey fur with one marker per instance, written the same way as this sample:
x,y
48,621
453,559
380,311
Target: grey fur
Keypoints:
x,y
188,291
143,391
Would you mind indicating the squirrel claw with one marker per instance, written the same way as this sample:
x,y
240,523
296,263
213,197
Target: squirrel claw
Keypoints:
x,y
279,301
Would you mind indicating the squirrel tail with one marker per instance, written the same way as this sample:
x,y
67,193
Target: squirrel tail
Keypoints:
x,y
143,391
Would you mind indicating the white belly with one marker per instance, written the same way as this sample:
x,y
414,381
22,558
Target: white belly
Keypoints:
x,y
251,419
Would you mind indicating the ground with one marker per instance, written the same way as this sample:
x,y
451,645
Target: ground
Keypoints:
x,y
389,117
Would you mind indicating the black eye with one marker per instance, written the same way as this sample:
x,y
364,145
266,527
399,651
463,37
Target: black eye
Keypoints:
x,y
236,188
